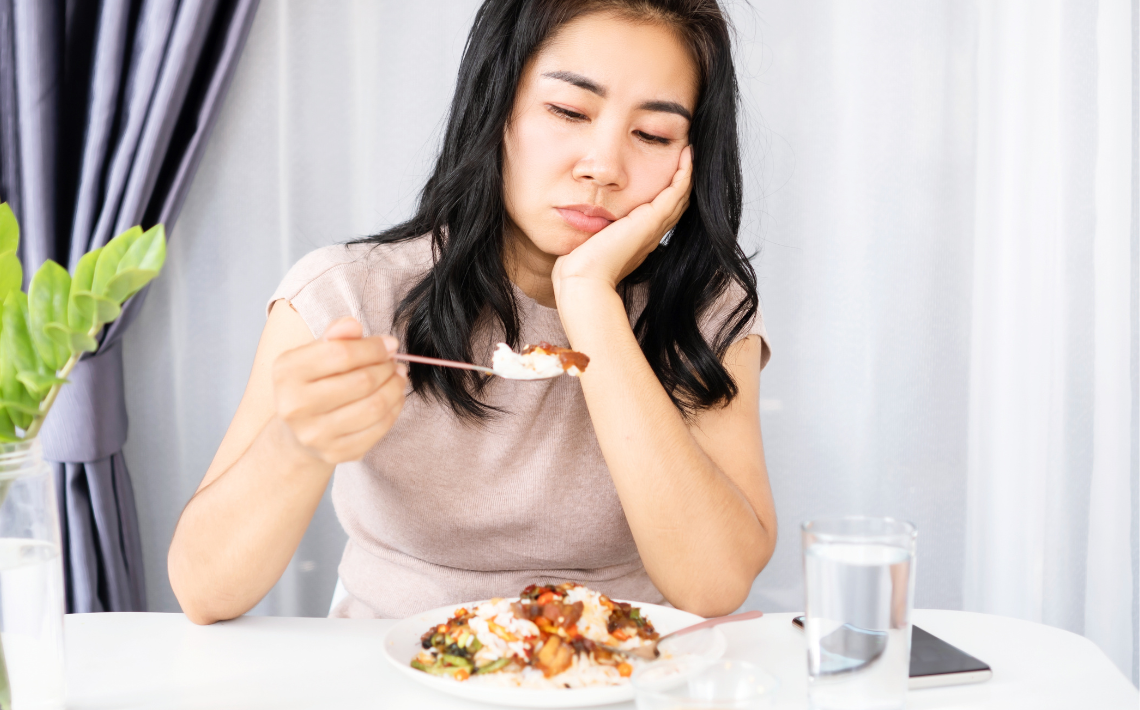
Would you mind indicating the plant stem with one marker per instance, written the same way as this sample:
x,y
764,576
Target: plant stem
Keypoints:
x,y
49,400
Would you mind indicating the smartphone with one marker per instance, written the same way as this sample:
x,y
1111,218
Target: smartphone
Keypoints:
x,y
933,662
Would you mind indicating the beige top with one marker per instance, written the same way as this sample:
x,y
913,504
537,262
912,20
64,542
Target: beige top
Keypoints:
x,y
442,512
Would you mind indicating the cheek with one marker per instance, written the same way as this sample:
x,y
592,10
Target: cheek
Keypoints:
x,y
538,167
649,175
540,157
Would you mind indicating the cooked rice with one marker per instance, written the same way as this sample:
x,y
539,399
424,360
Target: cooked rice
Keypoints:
x,y
504,635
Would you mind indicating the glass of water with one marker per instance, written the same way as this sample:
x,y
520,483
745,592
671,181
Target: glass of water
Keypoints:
x,y
31,581
860,586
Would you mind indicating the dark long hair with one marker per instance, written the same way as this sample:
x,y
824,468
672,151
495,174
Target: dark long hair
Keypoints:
x,y
462,208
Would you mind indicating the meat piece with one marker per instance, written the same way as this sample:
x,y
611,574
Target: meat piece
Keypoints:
x,y
566,357
573,613
554,657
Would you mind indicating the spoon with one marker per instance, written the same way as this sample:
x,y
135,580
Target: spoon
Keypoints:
x,y
649,650
462,366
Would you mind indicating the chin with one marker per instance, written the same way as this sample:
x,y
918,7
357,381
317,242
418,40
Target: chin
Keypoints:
x,y
570,244
562,243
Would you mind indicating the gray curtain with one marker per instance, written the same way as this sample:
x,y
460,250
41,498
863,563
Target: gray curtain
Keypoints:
x,y
104,111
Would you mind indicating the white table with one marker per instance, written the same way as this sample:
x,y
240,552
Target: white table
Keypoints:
x,y
163,661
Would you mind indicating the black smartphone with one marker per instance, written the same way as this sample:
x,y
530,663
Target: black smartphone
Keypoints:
x,y
933,662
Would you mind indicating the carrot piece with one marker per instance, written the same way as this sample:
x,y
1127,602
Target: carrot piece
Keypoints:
x,y
501,632
624,670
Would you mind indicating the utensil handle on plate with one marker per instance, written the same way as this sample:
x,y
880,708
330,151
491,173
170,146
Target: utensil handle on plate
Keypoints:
x,y
742,616
442,363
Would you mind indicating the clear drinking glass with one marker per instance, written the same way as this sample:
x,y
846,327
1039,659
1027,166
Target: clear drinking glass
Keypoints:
x,y
859,575
694,683
31,582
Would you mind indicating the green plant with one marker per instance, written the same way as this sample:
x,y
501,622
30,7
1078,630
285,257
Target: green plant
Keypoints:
x,y
44,333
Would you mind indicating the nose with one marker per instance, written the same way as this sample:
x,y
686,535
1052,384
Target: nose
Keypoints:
x,y
603,163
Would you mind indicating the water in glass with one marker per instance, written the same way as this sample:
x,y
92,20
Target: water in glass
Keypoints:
x,y
858,617
31,582
31,622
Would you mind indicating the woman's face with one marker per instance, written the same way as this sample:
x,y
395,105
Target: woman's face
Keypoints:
x,y
598,126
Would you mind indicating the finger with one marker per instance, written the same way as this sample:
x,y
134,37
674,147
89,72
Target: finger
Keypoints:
x,y
347,328
329,357
353,447
342,389
365,413
678,212
677,192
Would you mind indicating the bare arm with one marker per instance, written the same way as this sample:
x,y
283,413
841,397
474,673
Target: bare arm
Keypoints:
x,y
696,497
308,406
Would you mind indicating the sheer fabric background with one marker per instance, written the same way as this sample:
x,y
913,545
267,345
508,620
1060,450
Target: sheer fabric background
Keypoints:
x,y
943,200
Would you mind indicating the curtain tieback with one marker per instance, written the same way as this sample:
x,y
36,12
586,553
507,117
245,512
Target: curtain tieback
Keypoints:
x,y
89,419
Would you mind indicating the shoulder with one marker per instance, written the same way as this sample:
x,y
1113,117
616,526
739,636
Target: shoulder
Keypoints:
x,y
711,320
728,307
339,279
353,262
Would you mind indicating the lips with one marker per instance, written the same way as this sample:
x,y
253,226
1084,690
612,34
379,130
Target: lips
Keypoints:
x,y
587,218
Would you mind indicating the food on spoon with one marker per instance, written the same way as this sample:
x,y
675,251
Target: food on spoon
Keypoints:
x,y
550,638
537,362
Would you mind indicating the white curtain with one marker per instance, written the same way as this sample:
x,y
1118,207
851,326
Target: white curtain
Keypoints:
x,y
943,200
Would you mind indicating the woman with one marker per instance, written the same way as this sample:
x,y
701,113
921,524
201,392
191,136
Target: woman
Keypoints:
x,y
588,193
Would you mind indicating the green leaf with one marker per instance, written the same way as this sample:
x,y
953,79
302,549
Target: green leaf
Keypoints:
x,y
38,383
81,312
126,283
15,328
108,264
137,267
73,341
11,389
11,273
85,270
18,359
106,310
81,316
19,406
148,251
47,304
9,229
102,310
155,255
7,428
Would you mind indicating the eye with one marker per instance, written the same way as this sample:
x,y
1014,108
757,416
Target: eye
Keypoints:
x,y
649,138
566,113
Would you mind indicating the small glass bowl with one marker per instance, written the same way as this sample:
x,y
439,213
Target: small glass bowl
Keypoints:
x,y
706,644
692,683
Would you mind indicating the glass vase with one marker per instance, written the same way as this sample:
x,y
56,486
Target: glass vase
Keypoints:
x,y
31,582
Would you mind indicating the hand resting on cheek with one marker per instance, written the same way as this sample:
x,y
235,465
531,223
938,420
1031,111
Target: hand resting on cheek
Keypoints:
x,y
614,252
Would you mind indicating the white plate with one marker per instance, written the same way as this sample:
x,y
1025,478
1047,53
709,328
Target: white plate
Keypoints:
x,y
402,643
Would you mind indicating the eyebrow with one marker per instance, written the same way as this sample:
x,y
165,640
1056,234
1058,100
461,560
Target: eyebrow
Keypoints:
x,y
594,88
577,80
667,107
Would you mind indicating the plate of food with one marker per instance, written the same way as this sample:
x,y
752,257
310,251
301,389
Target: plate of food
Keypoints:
x,y
552,646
